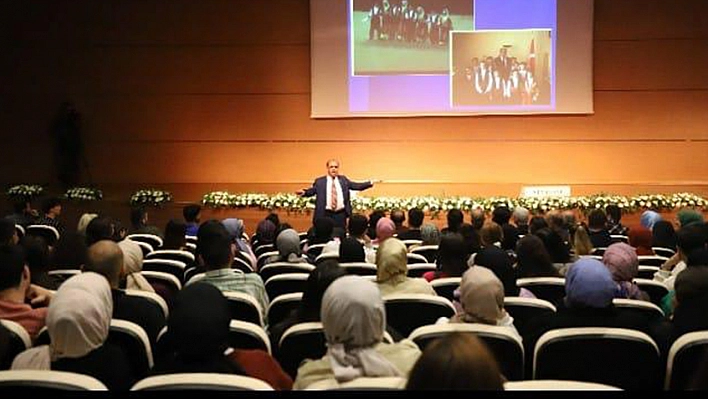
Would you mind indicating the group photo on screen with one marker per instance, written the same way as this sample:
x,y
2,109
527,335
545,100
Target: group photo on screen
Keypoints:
x,y
500,68
396,37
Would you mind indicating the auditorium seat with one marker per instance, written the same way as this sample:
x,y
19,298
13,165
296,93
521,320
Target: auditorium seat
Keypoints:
x,y
525,310
416,270
48,380
48,233
656,290
359,268
551,289
406,312
445,287
173,267
685,356
652,260
201,382
154,241
276,268
245,335
299,342
430,252
644,308
19,341
280,307
285,284
185,257
244,307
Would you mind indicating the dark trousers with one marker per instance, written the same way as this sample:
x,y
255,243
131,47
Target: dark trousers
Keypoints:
x,y
340,218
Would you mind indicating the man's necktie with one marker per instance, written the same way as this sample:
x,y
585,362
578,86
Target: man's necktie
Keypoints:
x,y
334,195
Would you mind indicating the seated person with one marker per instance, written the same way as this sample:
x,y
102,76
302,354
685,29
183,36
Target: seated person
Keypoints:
x,y
354,319
415,220
235,228
139,223
351,250
37,256
392,270
175,236
132,266
198,338
456,362
51,210
78,322
106,258
452,258
621,260
8,232
192,215
641,239
532,259
288,246
597,229
21,301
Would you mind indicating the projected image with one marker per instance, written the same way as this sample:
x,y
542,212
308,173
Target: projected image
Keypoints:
x,y
499,68
398,37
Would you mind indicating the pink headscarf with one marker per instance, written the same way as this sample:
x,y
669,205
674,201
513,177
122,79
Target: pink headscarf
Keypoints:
x,y
385,228
621,259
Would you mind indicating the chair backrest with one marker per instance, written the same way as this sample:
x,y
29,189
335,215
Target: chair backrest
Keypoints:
x,y
49,380
647,272
619,238
666,252
133,340
263,257
359,268
191,272
360,384
245,335
19,342
557,385
602,355
172,282
299,342
327,255
415,258
430,252
276,268
244,307
49,233
635,306
314,250
685,354
173,267
507,347
242,264
145,247
525,310
202,382
64,274
551,289
445,287
599,251
191,247
185,257
191,239
259,249
280,307
416,270
286,284
154,241
153,298
652,260
406,312
194,278
20,231
656,289
410,243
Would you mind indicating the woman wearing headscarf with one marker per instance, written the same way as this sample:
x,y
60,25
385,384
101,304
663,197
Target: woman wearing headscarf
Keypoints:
x,y
265,232
78,321
640,239
649,218
482,300
236,228
499,262
351,250
198,336
354,319
288,246
385,228
589,290
689,216
622,262
392,270
84,220
430,234
132,266
663,235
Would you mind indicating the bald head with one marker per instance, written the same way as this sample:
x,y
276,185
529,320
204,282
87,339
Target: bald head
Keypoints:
x,y
106,258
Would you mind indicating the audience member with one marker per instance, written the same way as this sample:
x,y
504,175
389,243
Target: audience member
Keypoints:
x,y
37,257
354,319
691,302
351,250
132,266
51,210
192,216
532,259
429,234
415,220
452,258
597,229
398,217
478,217
8,232
175,236
309,310
582,245
18,295
373,221
614,216
235,228
457,362
357,227
84,221
215,249
100,228
321,232
106,258
501,216
274,218
23,214
521,220
78,322
288,246
491,235
139,220
69,252
689,239
198,335
686,217
621,259
556,247
385,229
641,240
265,233
392,270
482,300
455,218
470,235
648,219
499,262
663,235
537,223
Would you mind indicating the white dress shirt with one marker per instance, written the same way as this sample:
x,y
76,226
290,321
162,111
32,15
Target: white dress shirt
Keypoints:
x,y
340,196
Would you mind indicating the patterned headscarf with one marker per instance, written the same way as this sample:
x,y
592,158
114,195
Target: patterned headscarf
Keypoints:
x,y
648,219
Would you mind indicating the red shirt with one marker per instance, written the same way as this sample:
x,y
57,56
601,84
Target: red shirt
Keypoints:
x,y
31,319
259,364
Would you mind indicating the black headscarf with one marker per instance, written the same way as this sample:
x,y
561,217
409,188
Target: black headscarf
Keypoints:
x,y
501,264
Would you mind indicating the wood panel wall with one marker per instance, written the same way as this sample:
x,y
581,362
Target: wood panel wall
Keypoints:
x,y
196,95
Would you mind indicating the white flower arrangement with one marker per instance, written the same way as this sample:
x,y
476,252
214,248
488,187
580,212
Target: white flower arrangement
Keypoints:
x,y
25,192
83,194
152,197
435,205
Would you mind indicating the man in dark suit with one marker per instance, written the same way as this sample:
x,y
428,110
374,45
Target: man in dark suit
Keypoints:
x,y
332,192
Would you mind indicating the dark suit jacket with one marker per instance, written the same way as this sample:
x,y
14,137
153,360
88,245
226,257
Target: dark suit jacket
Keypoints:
x,y
319,188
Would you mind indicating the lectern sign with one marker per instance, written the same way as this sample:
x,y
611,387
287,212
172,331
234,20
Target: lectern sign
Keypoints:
x,y
545,191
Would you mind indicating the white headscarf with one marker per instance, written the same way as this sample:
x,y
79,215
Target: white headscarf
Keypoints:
x,y
78,320
133,265
354,318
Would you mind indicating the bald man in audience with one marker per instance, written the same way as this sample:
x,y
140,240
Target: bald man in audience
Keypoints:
x,y
106,258
478,218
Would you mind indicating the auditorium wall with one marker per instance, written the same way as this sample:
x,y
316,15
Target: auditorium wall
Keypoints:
x,y
193,96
